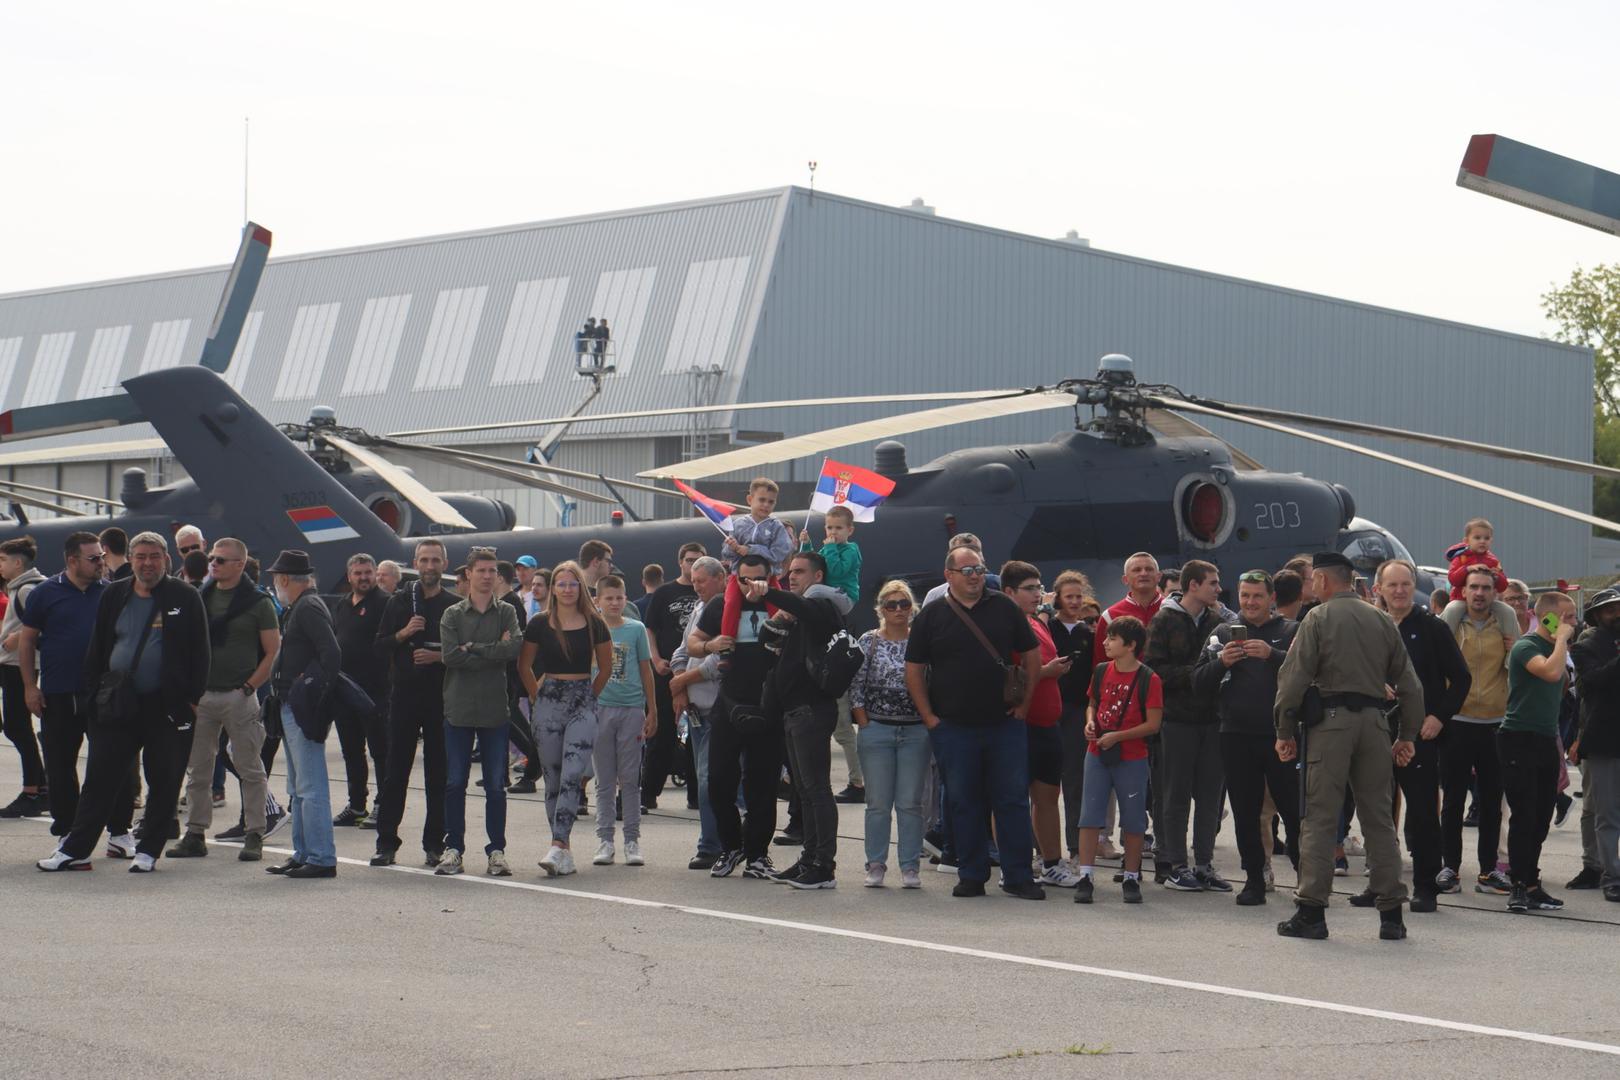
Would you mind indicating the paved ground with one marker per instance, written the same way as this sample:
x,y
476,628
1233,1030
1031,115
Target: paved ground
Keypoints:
x,y
211,967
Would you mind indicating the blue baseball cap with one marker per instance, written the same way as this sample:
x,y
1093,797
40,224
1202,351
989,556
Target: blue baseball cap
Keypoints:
x,y
527,560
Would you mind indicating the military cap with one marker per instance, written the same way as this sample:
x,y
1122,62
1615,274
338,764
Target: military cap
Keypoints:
x,y
1324,560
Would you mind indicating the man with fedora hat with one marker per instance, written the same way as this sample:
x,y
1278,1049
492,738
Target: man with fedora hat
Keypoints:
x,y
1330,694
309,661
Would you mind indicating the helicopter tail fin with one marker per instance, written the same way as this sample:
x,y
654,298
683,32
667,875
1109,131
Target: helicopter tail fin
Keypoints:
x,y
258,482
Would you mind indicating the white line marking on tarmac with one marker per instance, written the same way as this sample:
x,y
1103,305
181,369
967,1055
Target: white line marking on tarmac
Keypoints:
x,y
1013,958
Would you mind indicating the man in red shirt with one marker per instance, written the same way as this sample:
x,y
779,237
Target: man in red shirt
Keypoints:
x,y
1022,582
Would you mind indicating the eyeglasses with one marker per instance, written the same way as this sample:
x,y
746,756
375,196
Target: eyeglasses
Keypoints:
x,y
897,605
1033,586
970,571
189,550
216,560
1256,576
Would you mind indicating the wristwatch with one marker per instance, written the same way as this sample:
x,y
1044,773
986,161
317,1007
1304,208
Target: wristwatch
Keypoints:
x,y
247,690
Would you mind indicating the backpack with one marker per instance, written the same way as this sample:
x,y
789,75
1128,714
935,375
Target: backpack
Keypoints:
x,y
835,669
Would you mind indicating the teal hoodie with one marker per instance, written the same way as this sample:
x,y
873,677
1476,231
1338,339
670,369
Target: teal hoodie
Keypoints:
x,y
843,566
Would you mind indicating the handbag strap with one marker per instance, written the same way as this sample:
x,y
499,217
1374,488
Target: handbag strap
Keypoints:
x,y
962,614
146,632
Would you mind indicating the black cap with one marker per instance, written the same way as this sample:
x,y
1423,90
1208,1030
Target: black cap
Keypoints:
x,y
291,561
1324,560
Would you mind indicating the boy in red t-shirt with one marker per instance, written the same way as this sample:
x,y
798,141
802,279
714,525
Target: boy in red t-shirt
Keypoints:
x,y
1125,706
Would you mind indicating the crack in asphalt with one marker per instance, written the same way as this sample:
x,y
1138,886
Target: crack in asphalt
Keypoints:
x,y
648,964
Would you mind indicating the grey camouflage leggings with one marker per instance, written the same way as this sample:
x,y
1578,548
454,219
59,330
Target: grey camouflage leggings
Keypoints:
x,y
565,732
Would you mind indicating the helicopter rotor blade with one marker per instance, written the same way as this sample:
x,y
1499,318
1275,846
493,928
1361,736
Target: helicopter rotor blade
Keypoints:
x,y
1176,426
1379,455
409,487
94,500
832,438
688,410
1449,443
471,456
9,492
489,466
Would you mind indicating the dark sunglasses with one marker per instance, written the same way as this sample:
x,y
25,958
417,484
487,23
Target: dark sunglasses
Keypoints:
x,y
189,550
971,571
897,605
215,560
90,558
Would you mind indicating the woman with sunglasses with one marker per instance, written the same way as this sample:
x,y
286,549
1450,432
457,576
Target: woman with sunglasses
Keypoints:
x,y
566,642
892,742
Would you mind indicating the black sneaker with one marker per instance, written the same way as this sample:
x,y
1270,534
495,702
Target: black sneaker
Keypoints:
x,y
1391,927
24,805
1366,898
851,794
522,787
1211,880
702,861
786,876
369,823
1471,819
1307,922
1561,810
1612,893
1588,878
814,876
789,839
382,858
1084,890
1518,900
760,869
1029,890
1540,901
1183,880
968,888
726,863
235,832
349,817
1131,888
1424,903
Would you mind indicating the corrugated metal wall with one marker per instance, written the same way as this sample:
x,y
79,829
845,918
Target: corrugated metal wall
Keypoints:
x,y
867,299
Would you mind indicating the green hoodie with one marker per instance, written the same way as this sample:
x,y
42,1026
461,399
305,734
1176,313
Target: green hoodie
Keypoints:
x,y
475,659
843,566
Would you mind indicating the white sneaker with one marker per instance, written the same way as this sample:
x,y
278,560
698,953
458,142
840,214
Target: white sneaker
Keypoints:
x,y
121,847
497,865
1107,850
61,860
632,853
1061,876
552,861
566,863
143,864
910,879
604,854
449,862
1353,846
874,875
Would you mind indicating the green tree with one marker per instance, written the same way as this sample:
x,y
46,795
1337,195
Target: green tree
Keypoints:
x,y
1586,311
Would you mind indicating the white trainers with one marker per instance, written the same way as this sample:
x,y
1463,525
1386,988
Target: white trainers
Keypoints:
x,y
632,853
61,860
449,862
551,862
1061,876
604,854
910,879
1106,850
121,847
497,865
143,864
566,863
874,875
1353,847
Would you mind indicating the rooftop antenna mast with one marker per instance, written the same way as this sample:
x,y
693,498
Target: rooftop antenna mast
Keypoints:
x,y
812,179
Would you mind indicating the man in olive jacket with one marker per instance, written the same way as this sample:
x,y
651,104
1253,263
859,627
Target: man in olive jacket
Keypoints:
x,y
479,637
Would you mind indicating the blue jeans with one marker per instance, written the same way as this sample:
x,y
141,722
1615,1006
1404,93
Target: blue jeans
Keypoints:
x,y
458,748
698,735
308,799
987,773
895,760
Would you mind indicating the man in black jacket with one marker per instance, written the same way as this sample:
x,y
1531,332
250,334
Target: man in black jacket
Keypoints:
x,y
1446,680
153,631
1597,665
809,715
1238,671
356,615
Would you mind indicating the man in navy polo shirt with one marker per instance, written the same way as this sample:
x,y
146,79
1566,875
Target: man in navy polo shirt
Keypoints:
x,y
56,629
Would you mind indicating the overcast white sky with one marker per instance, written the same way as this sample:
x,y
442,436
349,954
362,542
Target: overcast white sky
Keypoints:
x,y
1305,145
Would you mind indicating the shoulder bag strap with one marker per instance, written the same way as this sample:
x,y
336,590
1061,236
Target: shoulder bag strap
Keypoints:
x,y
146,632
973,626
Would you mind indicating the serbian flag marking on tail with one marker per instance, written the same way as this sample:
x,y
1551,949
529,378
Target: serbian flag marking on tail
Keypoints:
x,y
320,524
713,509
850,485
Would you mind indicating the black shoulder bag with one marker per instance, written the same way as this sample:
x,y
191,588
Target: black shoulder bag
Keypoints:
x,y
115,693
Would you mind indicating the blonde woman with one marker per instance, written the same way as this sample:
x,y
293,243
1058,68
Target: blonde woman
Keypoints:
x,y
892,742
566,641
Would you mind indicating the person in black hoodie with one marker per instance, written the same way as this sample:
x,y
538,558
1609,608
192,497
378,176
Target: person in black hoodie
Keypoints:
x,y
1446,680
1188,768
356,615
1073,636
1238,671
154,630
1597,666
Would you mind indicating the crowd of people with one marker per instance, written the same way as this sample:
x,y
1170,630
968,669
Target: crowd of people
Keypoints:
x,y
996,725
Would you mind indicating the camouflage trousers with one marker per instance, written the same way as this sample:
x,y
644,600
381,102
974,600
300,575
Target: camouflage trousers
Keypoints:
x,y
564,719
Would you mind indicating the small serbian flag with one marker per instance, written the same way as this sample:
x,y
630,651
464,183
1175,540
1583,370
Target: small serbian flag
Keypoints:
x,y
320,524
850,485
713,509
